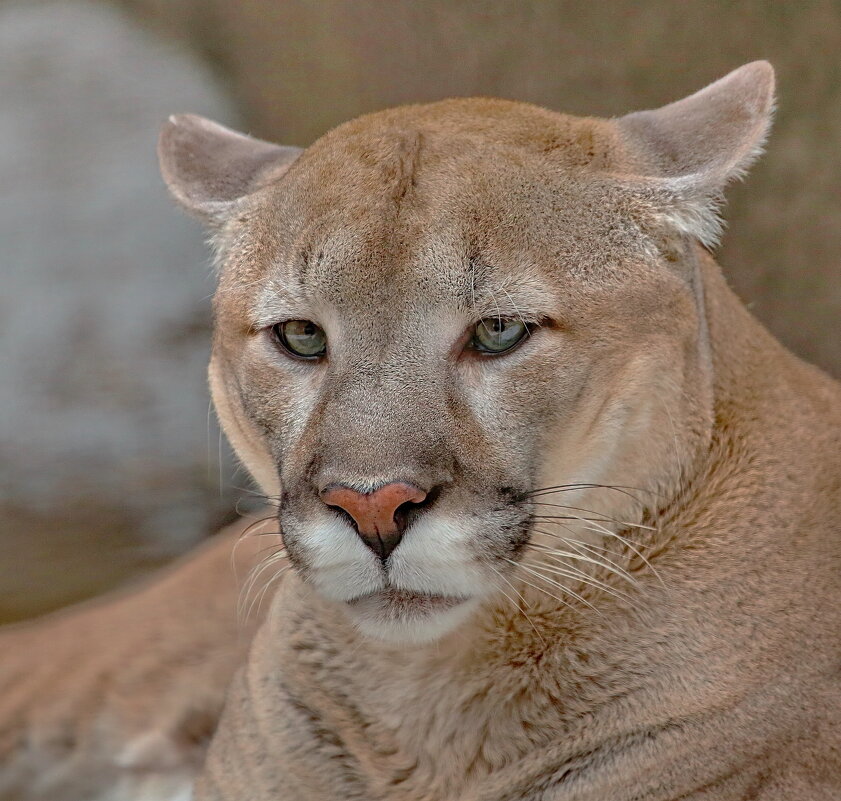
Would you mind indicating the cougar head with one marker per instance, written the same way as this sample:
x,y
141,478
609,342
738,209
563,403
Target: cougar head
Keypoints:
x,y
436,311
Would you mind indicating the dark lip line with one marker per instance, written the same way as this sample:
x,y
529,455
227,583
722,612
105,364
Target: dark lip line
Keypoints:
x,y
409,593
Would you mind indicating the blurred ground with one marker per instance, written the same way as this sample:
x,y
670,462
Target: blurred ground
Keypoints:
x,y
298,67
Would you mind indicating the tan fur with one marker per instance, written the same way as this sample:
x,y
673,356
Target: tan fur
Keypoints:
x,y
117,699
699,457
703,661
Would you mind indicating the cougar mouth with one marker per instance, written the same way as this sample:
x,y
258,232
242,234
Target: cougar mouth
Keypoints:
x,y
394,603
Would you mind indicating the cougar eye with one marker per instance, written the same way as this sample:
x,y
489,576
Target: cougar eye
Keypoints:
x,y
498,334
301,338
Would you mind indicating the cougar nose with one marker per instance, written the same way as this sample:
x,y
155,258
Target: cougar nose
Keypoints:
x,y
377,514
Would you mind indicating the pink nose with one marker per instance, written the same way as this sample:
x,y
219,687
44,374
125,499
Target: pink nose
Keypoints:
x,y
376,513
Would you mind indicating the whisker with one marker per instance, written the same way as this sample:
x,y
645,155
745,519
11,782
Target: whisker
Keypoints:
x,y
629,544
496,303
607,562
580,575
557,584
622,488
271,500
547,593
555,520
681,472
592,547
248,532
578,556
562,565
601,519
266,587
608,565
220,464
516,605
516,310
251,582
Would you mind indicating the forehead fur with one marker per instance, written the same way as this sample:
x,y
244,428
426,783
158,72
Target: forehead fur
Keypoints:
x,y
392,148
465,123
488,182
660,171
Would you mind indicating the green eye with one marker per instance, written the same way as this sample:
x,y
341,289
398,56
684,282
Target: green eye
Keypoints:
x,y
498,334
301,338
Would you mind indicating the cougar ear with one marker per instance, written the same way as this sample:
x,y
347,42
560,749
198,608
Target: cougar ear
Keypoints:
x,y
208,167
692,148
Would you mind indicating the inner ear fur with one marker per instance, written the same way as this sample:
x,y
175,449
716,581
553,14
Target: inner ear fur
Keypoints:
x,y
208,167
688,151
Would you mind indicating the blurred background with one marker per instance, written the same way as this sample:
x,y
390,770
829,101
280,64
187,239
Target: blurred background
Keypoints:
x,y
110,462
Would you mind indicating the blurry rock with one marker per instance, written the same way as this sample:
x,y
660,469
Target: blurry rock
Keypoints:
x,y
107,459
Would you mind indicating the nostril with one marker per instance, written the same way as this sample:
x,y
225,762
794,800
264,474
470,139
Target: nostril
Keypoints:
x,y
408,506
406,513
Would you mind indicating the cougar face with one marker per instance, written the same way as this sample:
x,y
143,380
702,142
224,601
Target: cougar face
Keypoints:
x,y
403,456
436,311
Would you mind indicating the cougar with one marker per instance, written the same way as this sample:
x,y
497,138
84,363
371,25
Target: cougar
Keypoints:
x,y
560,518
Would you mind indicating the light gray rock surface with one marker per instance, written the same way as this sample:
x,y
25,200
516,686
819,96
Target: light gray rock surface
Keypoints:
x,y
107,459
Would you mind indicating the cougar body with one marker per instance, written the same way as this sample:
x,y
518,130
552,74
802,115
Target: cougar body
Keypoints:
x,y
617,570
560,518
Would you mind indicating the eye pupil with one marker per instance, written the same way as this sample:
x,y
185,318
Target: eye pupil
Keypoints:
x,y
301,338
